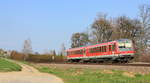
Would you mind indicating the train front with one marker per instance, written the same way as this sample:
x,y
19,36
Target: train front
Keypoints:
x,y
126,49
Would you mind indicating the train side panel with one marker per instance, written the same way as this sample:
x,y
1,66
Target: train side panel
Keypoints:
x,y
106,51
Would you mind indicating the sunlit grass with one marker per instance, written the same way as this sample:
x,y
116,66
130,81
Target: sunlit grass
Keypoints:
x,y
6,65
77,75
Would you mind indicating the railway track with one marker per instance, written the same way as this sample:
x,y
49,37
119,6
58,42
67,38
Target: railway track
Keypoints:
x,y
136,67
112,64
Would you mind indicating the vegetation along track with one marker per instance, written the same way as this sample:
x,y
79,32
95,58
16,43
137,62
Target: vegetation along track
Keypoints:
x,y
113,64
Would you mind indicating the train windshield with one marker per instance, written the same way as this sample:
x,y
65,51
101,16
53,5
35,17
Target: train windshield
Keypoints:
x,y
125,45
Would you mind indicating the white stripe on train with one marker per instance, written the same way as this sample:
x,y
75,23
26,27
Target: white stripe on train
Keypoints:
x,y
100,56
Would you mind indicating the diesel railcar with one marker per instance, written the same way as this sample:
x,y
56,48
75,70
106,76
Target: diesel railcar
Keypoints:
x,y
114,51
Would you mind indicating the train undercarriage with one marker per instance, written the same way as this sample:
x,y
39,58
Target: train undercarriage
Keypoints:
x,y
117,59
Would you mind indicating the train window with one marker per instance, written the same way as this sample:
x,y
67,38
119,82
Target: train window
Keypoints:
x,y
72,52
94,50
97,49
81,51
104,48
113,47
122,47
78,52
75,52
69,53
100,49
90,50
110,48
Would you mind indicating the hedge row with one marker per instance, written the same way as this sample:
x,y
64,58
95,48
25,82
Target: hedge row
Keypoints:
x,y
45,58
38,57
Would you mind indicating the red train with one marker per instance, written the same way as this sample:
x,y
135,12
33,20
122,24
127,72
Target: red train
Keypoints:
x,y
114,51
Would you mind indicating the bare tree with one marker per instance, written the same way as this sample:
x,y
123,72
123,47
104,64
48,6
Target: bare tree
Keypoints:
x,y
53,52
145,21
101,29
27,48
127,28
63,49
79,39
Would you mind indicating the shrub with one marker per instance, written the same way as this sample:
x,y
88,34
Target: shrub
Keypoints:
x,y
45,58
17,56
39,58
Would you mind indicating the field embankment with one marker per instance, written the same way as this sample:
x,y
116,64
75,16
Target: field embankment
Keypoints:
x,y
6,66
86,74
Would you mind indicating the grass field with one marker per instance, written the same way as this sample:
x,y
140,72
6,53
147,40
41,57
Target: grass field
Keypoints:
x,y
77,75
6,65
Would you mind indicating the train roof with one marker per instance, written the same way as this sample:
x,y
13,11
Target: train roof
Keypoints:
x,y
101,44
72,49
90,46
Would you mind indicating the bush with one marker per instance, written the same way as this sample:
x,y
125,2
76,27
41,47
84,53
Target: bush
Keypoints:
x,y
59,58
17,56
39,58
45,58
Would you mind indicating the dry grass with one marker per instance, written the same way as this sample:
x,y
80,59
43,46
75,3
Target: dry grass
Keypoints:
x,y
129,74
107,71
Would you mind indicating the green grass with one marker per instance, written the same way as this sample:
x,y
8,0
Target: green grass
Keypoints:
x,y
27,63
6,66
76,75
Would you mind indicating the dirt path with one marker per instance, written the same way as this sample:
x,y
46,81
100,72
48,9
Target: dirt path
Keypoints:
x,y
28,75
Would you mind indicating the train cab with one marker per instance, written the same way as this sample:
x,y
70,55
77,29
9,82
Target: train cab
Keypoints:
x,y
125,49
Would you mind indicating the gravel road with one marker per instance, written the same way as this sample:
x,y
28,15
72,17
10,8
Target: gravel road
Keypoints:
x,y
28,75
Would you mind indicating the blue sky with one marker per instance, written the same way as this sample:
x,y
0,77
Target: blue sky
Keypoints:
x,y
49,23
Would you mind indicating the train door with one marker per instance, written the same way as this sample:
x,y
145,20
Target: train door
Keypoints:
x,y
84,52
110,49
113,48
